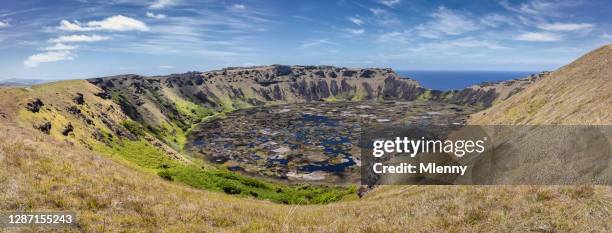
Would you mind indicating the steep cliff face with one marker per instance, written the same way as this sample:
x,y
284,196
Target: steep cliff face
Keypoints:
x,y
258,85
170,105
184,99
489,93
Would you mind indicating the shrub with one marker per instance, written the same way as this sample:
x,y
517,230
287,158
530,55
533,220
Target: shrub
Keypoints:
x,y
165,174
133,127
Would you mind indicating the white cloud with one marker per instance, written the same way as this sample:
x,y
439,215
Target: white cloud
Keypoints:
x,y
4,24
166,67
606,36
469,42
355,31
538,36
113,23
119,23
385,18
394,37
160,4
315,43
356,20
156,16
79,38
389,3
378,12
496,20
565,26
68,26
461,43
60,47
541,7
238,7
36,59
446,22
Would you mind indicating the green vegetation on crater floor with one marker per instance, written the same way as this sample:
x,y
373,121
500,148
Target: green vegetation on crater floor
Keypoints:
x,y
150,159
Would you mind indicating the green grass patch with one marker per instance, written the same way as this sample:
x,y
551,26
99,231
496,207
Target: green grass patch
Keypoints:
x,y
134,127
236,184
425,95
331,99
359,95
153,160
139,153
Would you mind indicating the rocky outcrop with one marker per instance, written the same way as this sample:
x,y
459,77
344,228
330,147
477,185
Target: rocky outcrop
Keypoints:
x,y
35,105
145,99
181,98
488,93
45,127
78,99
68,129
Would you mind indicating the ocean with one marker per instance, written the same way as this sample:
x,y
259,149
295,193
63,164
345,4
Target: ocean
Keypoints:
x,y
456,80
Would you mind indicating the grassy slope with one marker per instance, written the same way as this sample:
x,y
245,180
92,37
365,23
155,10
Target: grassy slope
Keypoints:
x,y
146,153
578,93
42,173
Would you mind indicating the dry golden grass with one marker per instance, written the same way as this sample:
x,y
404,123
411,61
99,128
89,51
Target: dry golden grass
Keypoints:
x,y
38,173
579,93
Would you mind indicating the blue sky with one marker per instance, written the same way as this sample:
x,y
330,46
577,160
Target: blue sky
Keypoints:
x,y
89,38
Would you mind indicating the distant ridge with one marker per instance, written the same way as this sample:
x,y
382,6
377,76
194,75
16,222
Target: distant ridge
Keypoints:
x,y
17,82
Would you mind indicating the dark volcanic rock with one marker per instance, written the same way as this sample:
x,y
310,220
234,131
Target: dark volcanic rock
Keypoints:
x,y
45,127
68,129
281,70
78,99
35,105
348,73
74,110
396,89
367,73
103,95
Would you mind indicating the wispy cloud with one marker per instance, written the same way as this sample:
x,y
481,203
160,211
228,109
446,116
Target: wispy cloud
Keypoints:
x,y
497,20
389,3
606,36
447,22
540,7
238,7
466,43
160,4
565,26
379,12
79,38
465,47
385,18
60,47
315,43
113,23
356,21
355,31
36,59
155,16
538,37
166,67
4,24
394,37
